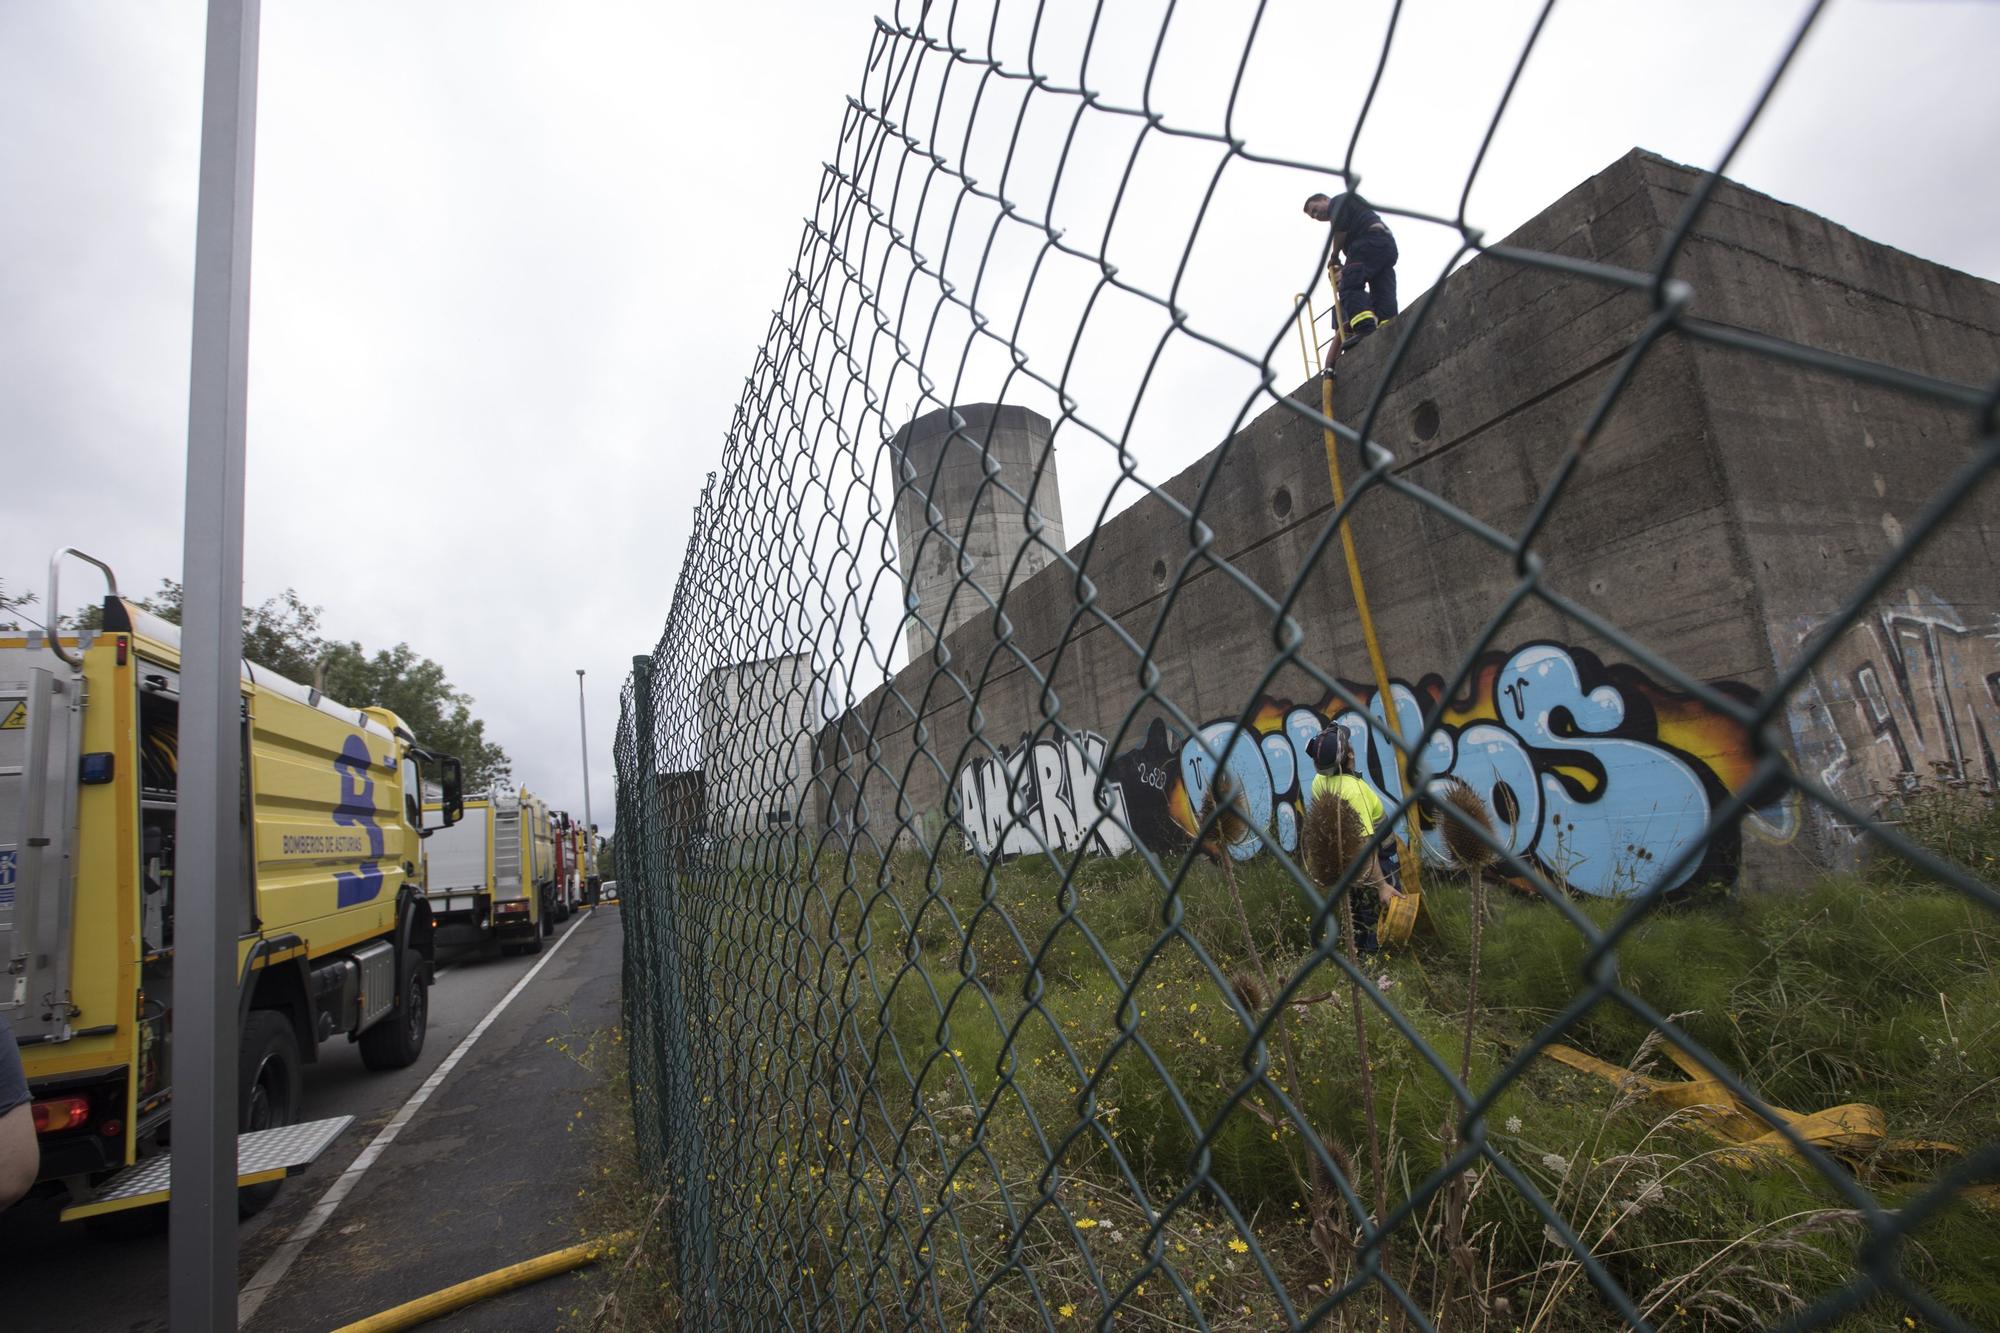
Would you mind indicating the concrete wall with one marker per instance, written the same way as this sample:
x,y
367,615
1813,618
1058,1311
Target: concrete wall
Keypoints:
x,y
758,722
1727,505
967,481
1826,474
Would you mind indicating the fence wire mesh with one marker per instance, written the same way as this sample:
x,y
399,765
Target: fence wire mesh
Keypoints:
x,y
1026,981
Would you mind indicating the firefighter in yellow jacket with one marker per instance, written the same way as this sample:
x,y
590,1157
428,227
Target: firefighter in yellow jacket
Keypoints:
x,y
1332,754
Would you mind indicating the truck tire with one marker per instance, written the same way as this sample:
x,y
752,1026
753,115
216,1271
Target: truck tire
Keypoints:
x,y
397,1040
548,918
267,1090
534,945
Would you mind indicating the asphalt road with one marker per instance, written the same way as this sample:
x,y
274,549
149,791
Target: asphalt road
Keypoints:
x,y
493,1169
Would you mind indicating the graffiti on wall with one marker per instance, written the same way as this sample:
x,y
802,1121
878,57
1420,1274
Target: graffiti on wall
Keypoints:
x,y
1044,794
1597,774
1908,693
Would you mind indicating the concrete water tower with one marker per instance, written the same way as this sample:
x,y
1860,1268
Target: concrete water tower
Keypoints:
x,y
942,462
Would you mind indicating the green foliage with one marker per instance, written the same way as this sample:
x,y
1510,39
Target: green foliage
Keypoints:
x,y
416,690
12,602
1957,821
1015,1028
283,633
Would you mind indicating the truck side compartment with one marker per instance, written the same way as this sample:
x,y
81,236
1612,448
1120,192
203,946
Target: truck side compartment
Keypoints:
x,y
333,938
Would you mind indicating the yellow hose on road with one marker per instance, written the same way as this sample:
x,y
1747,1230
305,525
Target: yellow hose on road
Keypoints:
x,y
426,1308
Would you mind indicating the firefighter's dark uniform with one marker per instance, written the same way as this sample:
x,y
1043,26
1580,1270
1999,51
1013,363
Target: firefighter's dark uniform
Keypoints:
x,y
1367,276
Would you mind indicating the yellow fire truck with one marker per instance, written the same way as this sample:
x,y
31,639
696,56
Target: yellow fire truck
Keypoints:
x,y
335,940
527,894
492,879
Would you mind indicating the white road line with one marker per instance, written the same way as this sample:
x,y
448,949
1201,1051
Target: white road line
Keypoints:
x,y
266,1281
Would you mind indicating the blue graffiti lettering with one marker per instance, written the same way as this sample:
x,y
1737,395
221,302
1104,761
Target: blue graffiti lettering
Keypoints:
x,y
1569,757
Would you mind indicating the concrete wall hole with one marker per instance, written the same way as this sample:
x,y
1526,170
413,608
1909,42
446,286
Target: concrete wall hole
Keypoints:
x,y
1281,502
1424,421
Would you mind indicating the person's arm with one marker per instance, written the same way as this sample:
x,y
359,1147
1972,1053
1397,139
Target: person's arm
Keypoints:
x,y
1383,888
1372,876
1340,218
1385,892
20,1154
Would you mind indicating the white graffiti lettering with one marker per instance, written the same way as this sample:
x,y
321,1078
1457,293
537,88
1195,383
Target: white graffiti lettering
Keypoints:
x,y
1048,795
1910,693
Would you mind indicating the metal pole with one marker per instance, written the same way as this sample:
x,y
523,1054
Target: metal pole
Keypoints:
x,y
583,734
209,906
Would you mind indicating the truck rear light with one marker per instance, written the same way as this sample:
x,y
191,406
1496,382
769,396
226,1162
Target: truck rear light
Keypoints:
x,y
58,1114
111,1129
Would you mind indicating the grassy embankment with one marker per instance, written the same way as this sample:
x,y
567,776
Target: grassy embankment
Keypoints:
x,y
993,1024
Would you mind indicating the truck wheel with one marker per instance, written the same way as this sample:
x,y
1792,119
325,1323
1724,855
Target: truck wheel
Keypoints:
x,y
548,920
267,1091
534,945
397,1040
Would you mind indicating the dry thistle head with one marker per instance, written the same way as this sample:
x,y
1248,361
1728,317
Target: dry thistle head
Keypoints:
x,y
1467,812
1250,990
1230,826
1222,794
1330,838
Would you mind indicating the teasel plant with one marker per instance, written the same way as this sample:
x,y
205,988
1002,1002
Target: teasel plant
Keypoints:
x,y
1255,989
1466,828
1330,840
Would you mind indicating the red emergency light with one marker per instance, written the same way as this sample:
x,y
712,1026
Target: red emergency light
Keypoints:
x,y
58,1114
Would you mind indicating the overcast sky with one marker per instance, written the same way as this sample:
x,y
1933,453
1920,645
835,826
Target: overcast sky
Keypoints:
x,y
513,260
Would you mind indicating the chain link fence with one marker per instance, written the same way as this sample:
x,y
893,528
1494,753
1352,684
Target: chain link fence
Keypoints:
x,y
993,955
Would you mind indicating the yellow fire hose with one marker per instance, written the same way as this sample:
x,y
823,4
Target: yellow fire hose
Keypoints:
x,y
1406,919
426,1308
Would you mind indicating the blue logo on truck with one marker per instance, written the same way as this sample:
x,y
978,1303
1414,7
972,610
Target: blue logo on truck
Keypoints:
x,y
357,810
7,862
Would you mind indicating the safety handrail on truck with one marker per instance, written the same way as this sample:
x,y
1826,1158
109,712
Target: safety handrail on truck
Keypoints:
x,y
55,573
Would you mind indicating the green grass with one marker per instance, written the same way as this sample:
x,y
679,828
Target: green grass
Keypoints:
x,y
1019,1077
632,1287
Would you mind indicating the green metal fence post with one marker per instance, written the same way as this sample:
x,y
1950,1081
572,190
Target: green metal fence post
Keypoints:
x,y
686,1142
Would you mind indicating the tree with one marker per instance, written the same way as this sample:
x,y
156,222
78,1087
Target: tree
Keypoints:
x,y
11,602
282,634
415,689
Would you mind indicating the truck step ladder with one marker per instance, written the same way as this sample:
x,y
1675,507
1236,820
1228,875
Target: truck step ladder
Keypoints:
x,y
263,1155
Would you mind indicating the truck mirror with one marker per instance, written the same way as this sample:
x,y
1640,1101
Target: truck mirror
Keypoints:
x,y
450,802
453,781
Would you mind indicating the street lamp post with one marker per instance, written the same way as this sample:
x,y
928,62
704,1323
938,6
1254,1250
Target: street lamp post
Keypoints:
x,y
583,735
